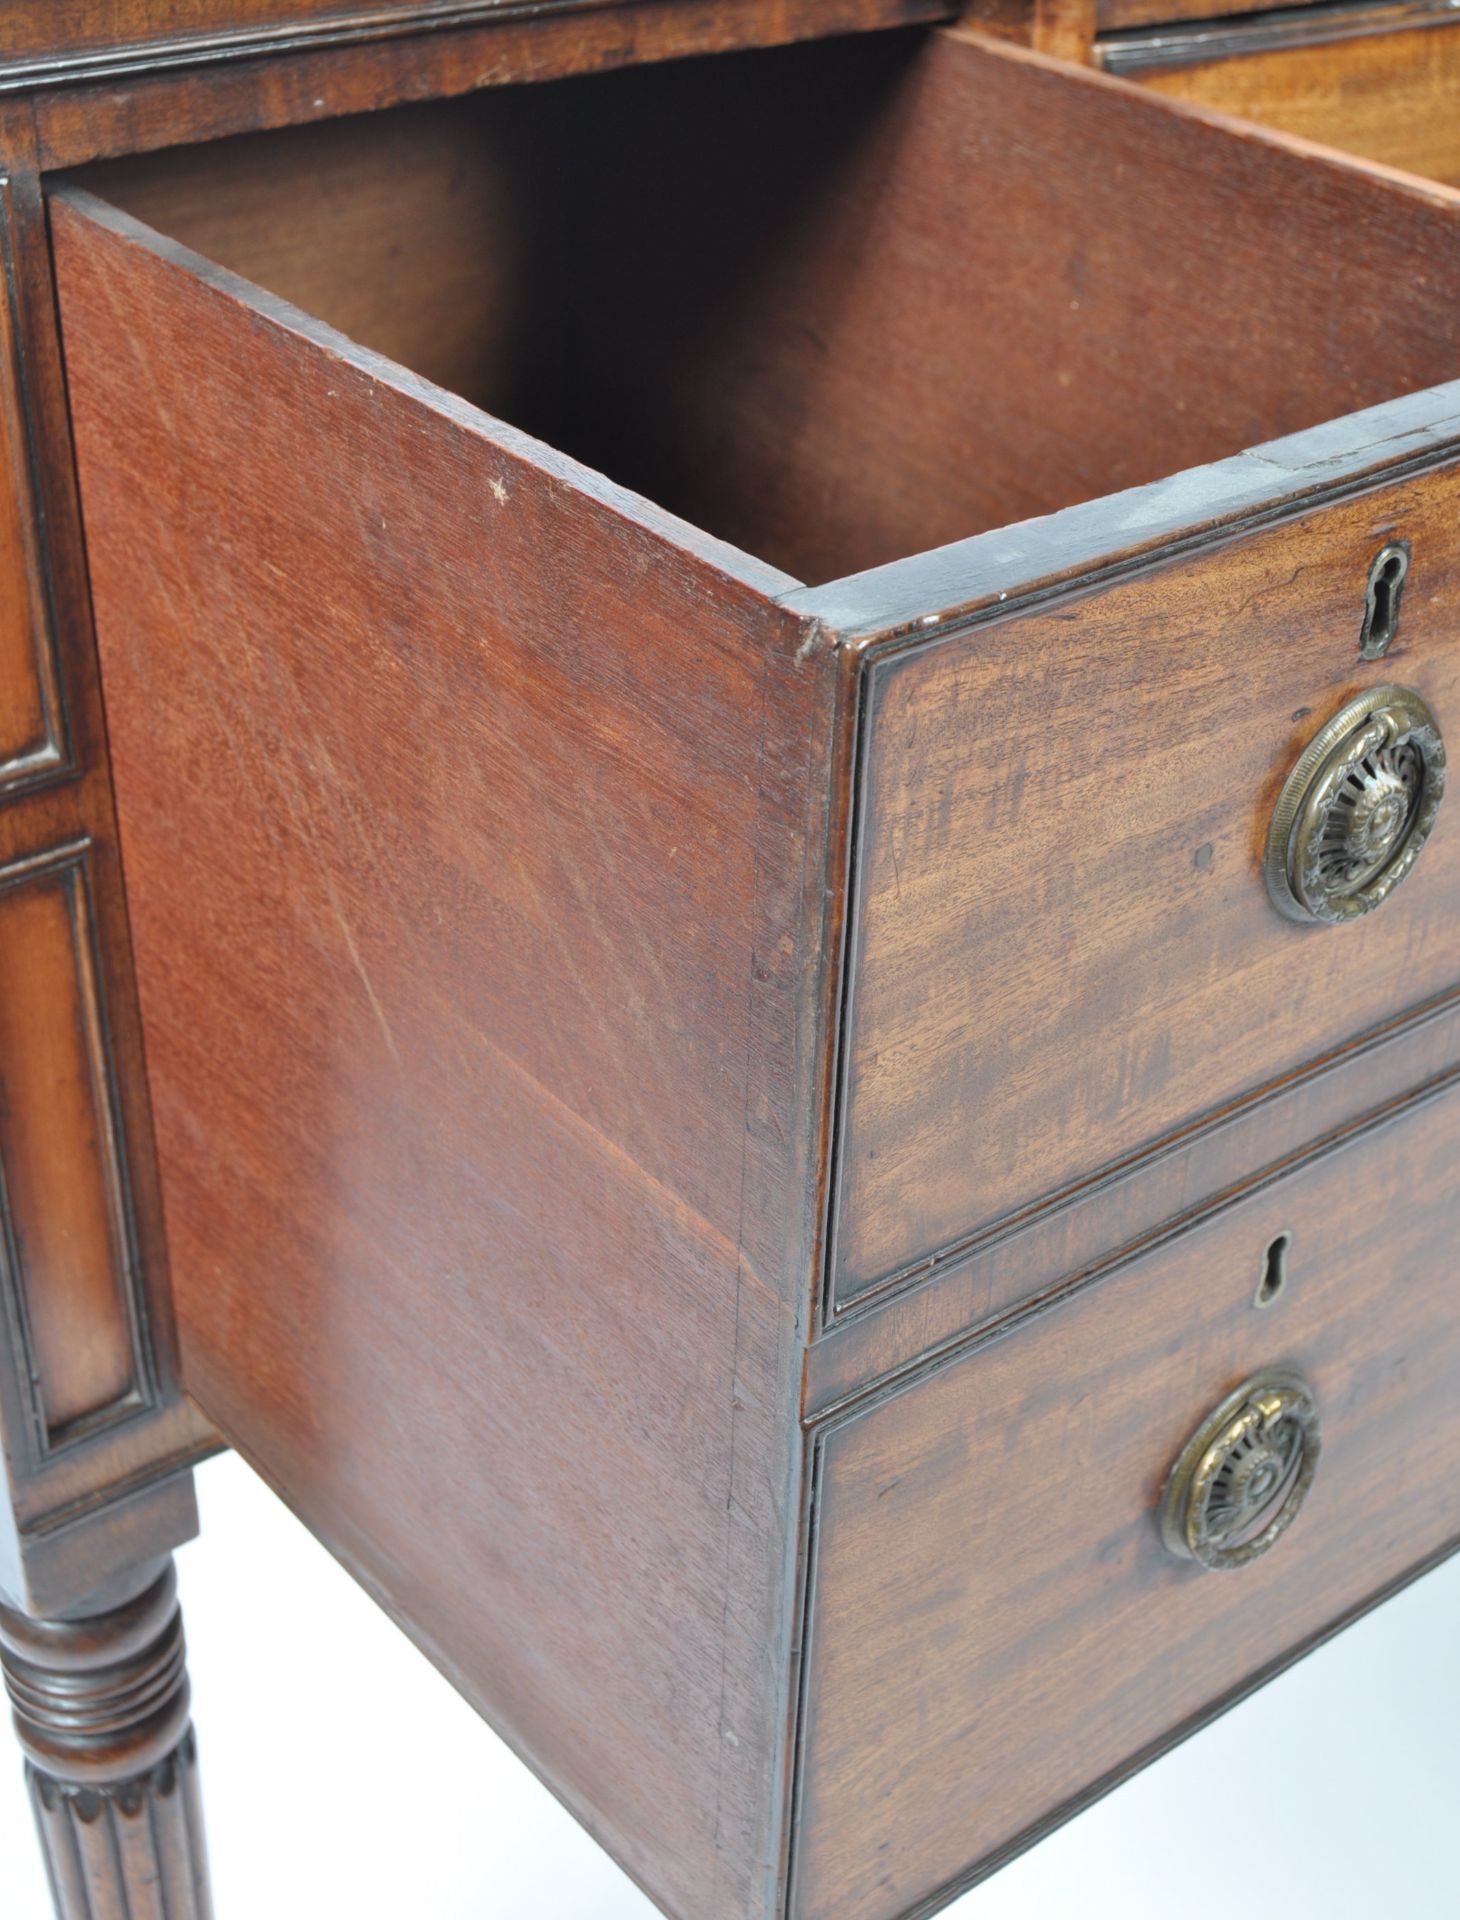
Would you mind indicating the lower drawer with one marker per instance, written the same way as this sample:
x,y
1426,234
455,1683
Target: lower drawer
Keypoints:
x,y
996,1622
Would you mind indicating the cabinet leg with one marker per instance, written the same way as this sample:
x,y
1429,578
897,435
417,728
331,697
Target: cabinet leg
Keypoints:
x,y
101,1707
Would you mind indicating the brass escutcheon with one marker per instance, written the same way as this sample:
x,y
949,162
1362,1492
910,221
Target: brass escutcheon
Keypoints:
x,y
1244,1473
1356,809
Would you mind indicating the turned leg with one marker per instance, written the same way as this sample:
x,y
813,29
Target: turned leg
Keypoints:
x,y
101,1706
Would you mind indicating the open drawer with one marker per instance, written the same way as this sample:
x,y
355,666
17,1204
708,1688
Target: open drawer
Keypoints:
x,y
697,676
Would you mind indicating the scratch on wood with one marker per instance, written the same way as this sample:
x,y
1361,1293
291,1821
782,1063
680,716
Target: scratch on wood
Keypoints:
x,y
360,969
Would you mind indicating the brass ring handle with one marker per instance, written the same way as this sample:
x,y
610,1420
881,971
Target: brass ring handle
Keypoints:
x,y
1244,1473
1356,809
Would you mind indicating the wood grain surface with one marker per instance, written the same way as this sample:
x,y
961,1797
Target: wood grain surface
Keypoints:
x,y
150,105
1041,1255
412,231
33,742
1064,945
29,28
485,837
1112,16
1063,28
94,1437
50,40
996,1624
471,810
1392,97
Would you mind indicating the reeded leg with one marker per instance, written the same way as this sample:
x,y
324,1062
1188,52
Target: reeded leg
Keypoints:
x,y
101,1706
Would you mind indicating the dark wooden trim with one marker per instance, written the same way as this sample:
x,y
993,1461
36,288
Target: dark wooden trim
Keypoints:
x,y
93,117
69,867
93,1479
51,757
801,1663
362,26
1195,43
830,1310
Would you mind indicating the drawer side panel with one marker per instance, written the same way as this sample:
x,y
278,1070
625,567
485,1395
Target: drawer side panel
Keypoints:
x,y
469,819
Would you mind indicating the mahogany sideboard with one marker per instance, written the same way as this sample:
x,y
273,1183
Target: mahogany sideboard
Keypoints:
x,y
725,900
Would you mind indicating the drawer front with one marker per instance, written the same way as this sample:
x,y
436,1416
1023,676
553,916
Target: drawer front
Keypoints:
x,y
996,1626
1388,96
32,29
1064,949
1116,16
49,41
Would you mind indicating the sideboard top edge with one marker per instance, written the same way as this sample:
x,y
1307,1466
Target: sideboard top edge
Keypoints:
x,y
179,54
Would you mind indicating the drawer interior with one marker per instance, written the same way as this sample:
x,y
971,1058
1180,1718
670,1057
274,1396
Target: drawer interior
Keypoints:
x,y
838,304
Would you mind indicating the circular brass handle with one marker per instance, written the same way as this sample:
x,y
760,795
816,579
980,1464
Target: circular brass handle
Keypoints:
x,y
1244,1473
1356,809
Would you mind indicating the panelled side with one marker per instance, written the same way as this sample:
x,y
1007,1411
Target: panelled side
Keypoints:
x,y
94,1438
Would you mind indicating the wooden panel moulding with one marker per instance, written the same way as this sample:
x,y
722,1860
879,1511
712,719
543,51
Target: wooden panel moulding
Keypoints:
x,y
33,734
94,1437
69,1243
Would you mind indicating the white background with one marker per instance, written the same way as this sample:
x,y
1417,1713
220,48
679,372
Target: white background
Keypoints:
x,y
345,1780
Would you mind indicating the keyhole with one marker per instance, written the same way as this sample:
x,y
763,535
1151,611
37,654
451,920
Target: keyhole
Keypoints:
x,y
1381,608
1274,1271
